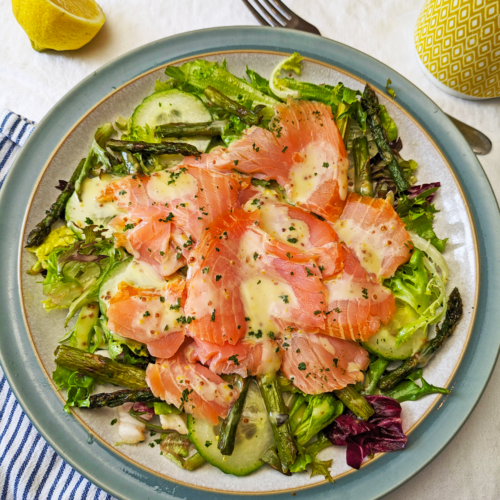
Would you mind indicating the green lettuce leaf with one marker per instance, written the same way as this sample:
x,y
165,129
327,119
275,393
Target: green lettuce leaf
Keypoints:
x,y
418,215
62,237
201,74
408,390
388,123
79,387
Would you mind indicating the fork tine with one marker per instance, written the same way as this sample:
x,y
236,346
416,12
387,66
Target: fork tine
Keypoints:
x,y
276,13
270,21
284,9
257,16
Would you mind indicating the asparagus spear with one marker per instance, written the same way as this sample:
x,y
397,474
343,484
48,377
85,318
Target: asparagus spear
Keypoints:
x,y
355,402
208,129
233,107
343,123
118,398
230,424
162,148
101,368
420,359
362,169
375,371
42,229
285,444
369,101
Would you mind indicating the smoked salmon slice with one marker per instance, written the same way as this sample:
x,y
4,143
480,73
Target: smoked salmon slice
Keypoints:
x,y
152,316
191,386
373,230
236,286
317,363
295,231
357,305
250,356
302,150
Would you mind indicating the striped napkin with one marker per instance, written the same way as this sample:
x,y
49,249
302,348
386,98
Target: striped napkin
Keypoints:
x,y
29,468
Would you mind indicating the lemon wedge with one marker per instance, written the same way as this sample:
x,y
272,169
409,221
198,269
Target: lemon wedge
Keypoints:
x,y
59,24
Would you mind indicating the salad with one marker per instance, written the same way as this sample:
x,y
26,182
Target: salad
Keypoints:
x,y
253,263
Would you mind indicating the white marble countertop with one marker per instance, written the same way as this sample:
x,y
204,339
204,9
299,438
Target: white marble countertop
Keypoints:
x,y
31,83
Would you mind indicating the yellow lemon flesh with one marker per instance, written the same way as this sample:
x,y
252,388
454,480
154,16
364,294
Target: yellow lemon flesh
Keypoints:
x,y
59,24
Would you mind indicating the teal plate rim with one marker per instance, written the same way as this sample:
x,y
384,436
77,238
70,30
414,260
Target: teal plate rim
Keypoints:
x,y
118,476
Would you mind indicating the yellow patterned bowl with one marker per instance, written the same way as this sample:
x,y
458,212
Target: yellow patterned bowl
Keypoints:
x,y
458,46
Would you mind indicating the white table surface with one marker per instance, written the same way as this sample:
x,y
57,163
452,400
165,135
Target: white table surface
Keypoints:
x,y
31,83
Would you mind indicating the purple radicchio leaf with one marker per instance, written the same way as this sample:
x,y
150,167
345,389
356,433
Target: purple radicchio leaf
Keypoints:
x,y
382,432
414,191
146,412
62,185
396,145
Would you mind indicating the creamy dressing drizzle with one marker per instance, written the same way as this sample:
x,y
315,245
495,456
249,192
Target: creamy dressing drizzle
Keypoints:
x,y
137,274
368,246
165,186
99,212
344,290
312,167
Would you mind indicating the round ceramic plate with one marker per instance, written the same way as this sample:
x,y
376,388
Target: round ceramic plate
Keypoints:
x,y
469,218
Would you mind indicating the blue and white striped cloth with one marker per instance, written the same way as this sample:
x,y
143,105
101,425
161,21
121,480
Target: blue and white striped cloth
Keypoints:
x,y
29,468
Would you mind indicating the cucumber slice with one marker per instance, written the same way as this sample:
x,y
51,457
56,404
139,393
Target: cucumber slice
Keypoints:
x,y
173,106
88,210
129,271
254,437
383,343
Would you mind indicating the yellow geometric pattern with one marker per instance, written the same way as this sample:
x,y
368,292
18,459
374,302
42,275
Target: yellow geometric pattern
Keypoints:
x,y
458,41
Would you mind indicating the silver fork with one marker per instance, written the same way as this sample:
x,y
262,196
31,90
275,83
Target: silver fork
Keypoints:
x,y
276,14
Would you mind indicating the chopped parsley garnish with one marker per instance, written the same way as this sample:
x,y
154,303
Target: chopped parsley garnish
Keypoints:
x,y
212,316
146,314
284,149
184,397
270,335
326,165
185,319
175,175
122,192
218,277
259,282
302,366
88,221
162,253
308,271
177,305
288,254
316,313
292,240
205,270
337,310
113,422
208,443
321,268
162,299
127,227
166,328
234,359
189,243
255,256
284,298
291,228
236,162
168,218
247,319
365,293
